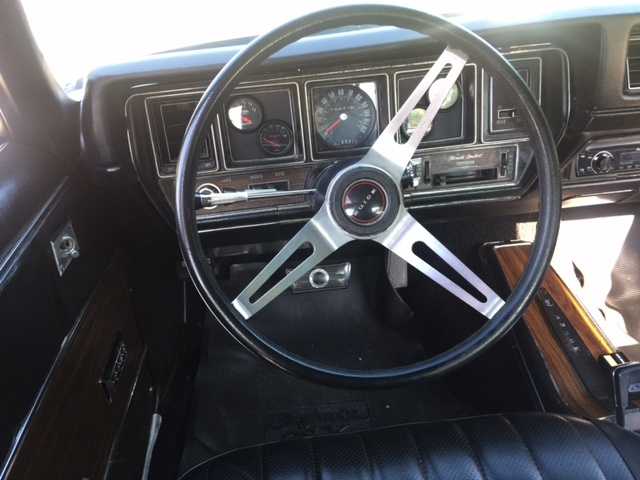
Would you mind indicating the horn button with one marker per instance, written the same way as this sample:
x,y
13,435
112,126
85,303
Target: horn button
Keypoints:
x,y
365,202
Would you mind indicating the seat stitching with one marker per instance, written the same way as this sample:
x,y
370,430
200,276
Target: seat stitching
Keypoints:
x,y
313,459
615,447
474,455
585,445
415,444
366,456
524,444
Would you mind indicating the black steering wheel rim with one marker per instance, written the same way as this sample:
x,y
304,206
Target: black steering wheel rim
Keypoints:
x,y
545,157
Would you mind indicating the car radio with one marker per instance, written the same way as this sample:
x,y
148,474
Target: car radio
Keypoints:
x,y
598,159
464,166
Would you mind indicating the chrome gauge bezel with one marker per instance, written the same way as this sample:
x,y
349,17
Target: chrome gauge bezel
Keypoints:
x,y
271,148
251,114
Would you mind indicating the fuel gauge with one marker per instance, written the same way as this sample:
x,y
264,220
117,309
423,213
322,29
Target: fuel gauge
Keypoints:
x,y
275,139
245,114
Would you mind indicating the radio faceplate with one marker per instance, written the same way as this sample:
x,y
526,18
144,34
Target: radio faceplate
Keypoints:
x,y
608,158
468,166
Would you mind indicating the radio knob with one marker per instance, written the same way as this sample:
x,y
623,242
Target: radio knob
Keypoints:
x,y
602,162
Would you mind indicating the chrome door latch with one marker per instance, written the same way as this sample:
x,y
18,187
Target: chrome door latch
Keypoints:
x,y
65,247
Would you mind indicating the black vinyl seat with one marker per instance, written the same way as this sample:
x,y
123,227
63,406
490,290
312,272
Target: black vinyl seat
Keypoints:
x,y
509,446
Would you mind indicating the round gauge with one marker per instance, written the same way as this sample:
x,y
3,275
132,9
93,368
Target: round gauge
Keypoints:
x,y
244,114
275,139
451,98
412,121
344,116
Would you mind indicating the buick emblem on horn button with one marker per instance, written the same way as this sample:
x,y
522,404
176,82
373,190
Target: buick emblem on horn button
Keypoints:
x,y
364,202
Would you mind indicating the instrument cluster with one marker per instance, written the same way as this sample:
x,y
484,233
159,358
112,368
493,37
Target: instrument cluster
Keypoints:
x,y
306,120
273,133
278,125
337,118
262,126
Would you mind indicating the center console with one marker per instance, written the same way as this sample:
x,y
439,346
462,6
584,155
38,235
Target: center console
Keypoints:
x,y
571,366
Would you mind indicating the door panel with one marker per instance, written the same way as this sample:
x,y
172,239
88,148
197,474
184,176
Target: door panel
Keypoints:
x,y
43,187
88,411
38,306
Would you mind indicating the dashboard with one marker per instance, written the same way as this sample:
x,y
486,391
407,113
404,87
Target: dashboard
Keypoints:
x,y
320,103
277,133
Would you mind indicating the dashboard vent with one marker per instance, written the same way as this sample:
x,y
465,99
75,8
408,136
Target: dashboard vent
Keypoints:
x,y
633,60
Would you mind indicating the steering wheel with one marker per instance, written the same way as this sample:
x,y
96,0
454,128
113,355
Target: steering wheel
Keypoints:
x,y
364,201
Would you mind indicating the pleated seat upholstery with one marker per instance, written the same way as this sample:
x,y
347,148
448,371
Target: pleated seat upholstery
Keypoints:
x,y
510,446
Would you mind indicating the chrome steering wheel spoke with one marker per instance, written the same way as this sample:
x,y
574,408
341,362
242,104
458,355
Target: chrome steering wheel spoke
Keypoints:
x,y
401,239
394,157
324,237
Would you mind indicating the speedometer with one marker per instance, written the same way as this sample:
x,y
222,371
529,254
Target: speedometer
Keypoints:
x,y
344,116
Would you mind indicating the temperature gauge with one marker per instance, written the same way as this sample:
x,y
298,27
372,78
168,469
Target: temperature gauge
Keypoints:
x,y
245,114
452,96
275,139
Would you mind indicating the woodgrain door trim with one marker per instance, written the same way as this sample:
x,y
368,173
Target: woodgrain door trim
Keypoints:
x,y
72,427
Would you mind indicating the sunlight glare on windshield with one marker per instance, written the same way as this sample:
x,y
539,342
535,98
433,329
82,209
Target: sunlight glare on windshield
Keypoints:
x,y
76,36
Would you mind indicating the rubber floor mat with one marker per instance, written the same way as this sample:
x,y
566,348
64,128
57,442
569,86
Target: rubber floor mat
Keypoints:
x,y
241,400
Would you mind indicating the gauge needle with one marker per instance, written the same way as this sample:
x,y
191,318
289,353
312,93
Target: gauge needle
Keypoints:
x,y
343,116
271,143
247,120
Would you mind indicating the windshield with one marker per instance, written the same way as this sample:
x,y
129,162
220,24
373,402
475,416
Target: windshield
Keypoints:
x,y
76,36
